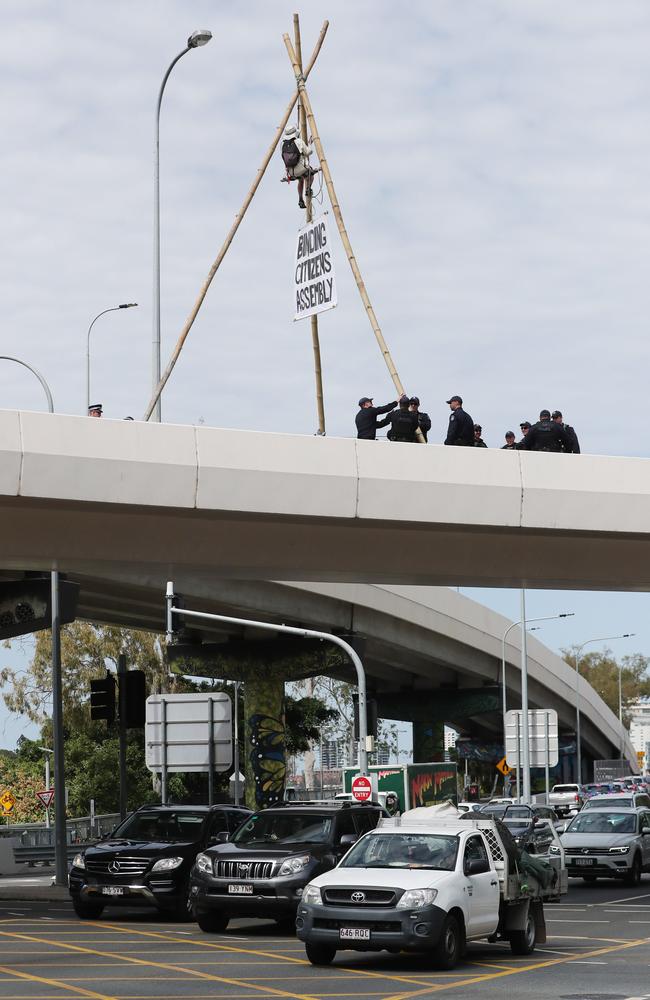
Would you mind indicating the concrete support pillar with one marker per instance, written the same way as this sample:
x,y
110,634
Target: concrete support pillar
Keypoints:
x,y
264,757
428,742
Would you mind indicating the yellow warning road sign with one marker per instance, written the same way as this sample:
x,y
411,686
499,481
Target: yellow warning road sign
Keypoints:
x,y
7,801
502,766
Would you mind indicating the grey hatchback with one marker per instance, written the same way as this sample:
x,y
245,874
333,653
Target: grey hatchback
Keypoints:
x,y
607,843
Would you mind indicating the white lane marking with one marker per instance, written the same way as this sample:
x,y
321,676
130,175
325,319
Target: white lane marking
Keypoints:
x,y
559,920
638,921
13,913
625,899
552,951
588,963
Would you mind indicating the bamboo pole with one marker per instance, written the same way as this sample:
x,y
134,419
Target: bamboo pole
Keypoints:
x,y
231,233
336,208
315,341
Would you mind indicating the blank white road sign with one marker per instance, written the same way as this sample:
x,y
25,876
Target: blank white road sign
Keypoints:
x,y
187,731
537,723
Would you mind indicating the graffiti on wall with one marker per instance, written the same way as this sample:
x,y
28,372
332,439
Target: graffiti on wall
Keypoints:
x,y
267,759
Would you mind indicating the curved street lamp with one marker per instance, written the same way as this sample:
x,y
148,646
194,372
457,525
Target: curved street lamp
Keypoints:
x,y
195,41
46,388
604,638
125,305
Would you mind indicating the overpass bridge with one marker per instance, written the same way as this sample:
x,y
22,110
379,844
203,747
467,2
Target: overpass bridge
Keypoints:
x,y
99,494
233,517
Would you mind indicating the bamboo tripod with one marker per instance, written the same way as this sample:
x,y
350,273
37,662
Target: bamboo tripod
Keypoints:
x,y
307,118
302,119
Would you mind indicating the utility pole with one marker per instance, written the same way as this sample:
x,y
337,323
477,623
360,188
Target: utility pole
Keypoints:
x,y
121,680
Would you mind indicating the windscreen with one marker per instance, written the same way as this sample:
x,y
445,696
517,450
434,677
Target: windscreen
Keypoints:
x,y
162,825
564,789
610,800
286,827
403,850
603,821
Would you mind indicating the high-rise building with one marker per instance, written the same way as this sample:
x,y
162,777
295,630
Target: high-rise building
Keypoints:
x,y
640,725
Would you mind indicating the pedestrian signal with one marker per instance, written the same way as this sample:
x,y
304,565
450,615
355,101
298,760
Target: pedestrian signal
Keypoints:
x,y
102,699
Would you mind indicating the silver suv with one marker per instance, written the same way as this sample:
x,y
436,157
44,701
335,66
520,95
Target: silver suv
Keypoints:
x,y
607,843
619,800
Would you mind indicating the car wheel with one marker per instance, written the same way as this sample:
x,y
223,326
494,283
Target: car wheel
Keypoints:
x,y
523,942
212,921
450,944
320,954
634,875
182,911
87,911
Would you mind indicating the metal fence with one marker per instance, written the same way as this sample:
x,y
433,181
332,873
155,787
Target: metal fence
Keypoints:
x,y
81,830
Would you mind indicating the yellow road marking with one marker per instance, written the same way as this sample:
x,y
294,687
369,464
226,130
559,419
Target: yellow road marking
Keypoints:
x,y
277,957
30,977
549,963
156,965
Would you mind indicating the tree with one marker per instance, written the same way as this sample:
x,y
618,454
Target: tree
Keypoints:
x,y
601,670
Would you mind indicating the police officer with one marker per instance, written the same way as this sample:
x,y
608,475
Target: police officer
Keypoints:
x,y
524,427
546,435
478,440
510,444
366,419
556,415
461,426
424,420
403,422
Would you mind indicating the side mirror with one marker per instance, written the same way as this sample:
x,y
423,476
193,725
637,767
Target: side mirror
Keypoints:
x,y
645,831
347,840
477,866
219,838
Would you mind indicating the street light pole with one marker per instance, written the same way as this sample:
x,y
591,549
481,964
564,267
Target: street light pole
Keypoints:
x,y
545,618
196,39
46,388
125,305
604,638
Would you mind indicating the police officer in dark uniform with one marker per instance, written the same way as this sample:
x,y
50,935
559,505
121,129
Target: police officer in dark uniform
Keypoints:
x,y
403,422
424,420
461,426
510,444
366,419
556,415
546,435
478,440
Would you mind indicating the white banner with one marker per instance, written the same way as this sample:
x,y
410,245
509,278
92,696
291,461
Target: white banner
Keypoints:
x,y
314,281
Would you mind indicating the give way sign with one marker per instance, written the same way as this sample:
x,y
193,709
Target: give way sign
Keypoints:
x,y
46,797
361,788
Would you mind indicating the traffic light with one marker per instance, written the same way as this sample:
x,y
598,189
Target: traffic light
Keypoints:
x,y
133,699
26,605
371,714
102,699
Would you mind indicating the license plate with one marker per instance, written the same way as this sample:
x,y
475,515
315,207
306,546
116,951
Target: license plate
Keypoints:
x,y
245,889
585,861
112,890
354,933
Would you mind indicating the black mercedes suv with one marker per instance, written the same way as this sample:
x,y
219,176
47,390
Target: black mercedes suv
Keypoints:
x,y
263,868
146,860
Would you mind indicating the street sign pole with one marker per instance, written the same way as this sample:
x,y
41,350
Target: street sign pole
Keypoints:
x,y
518,762
548,751
121,678
60,838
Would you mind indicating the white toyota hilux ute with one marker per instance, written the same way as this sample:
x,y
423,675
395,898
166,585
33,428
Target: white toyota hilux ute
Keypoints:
x,y
427,886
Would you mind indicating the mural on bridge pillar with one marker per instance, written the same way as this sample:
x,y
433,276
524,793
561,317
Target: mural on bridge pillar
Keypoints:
x,y
265,762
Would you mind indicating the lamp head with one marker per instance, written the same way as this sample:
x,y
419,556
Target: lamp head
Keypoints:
x,y
198,38
127,305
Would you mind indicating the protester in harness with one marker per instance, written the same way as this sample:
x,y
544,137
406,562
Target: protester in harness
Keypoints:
x,y
295,156
403,422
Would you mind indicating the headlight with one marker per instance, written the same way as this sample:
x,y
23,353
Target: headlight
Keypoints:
x,y
415,899
294,865
554,849
204,864
311,894
78,861
167,864
619,850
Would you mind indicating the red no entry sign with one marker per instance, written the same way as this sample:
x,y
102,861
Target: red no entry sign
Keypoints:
x,y
361,788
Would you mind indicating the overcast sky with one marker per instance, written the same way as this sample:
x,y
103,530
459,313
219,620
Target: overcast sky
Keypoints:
x,y
492,161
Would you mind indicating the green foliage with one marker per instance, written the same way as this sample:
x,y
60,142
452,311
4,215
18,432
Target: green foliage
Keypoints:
x,y
304,720
602,672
